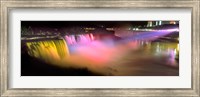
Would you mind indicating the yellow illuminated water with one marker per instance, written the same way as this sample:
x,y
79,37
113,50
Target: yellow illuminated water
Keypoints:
x,y
159,47
48,50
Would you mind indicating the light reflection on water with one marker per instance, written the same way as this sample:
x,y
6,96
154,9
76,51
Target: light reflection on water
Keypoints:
x,y
166,49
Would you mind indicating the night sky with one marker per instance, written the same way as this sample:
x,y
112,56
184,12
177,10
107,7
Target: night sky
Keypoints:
x,y
82,23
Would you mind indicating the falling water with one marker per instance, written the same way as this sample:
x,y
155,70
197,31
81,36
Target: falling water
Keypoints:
x,y
48,50
82,38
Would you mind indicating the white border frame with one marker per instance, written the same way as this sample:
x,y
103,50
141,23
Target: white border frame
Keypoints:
x,y
181,81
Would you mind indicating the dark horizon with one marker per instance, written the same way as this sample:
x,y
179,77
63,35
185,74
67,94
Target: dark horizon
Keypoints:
x,y
82,23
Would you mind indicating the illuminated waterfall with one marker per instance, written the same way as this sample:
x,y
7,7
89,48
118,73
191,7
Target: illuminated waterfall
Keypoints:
x,y
82,38
48,50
